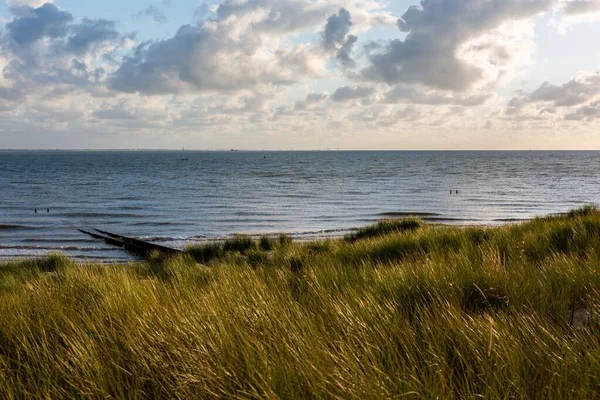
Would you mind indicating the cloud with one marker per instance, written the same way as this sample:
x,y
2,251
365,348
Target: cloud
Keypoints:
x,y
119,111
586,113
32,3
260,68
581,89
32,24
337,28
246,44
114,113
90,33
569,12
336,38
410,95
580,7
49,55
454,45
153,12
348,93
311,100
198,59
576,100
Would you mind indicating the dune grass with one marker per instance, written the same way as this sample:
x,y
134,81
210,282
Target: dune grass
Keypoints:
x,y
417,312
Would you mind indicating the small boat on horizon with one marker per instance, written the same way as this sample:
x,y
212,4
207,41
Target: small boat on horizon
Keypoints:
x,y
183,157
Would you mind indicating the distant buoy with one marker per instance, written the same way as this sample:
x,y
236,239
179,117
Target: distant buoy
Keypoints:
x,y
36,210
48,210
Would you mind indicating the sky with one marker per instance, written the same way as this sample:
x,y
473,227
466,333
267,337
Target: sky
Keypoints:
x,y
300,74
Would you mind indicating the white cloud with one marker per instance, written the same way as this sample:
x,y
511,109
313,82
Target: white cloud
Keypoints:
x,y
243,46
32,3
571,12
457,45
575,100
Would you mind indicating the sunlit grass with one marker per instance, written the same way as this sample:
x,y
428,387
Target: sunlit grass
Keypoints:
x,y
411,311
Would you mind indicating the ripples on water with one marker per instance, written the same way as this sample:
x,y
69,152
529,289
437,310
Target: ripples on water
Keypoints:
x,y
156,195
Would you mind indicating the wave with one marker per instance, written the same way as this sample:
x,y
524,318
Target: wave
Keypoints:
x,y
254,221
408,214
57,248
57,240
254,235
167,238
76,257
448,219
103,215
162,223
10,227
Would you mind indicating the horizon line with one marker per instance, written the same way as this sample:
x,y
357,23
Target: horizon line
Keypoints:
x,y
294,150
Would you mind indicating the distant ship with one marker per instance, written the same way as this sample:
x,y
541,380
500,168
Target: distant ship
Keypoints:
x,y
183,157
233,150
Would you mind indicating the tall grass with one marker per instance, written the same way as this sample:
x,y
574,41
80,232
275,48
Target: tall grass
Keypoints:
x,y
385,227
425,312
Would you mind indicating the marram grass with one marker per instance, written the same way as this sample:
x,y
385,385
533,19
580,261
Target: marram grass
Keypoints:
x,y
412,312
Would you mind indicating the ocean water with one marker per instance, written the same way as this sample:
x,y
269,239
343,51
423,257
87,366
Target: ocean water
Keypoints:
x,y
159,197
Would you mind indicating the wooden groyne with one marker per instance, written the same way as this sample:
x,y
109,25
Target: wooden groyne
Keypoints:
x,y
134,246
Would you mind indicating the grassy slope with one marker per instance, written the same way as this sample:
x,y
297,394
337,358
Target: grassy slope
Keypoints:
x,y
399,309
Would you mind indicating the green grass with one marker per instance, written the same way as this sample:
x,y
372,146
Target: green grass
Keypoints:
x,y
415,311
385,227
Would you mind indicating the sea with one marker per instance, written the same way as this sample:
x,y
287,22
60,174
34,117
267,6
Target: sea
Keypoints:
x,y
159,197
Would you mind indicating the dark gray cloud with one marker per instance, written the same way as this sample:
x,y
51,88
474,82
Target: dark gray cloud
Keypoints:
x,y
11,94
579,7
577,91
436,31
90,33
576,100
337,28
47,52
344,54
311,100
336,39
32,24
348,93
589,112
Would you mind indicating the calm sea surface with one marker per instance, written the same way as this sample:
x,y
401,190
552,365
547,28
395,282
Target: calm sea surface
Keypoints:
x,y
157,196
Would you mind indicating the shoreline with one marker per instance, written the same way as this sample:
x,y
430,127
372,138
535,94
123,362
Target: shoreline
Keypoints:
x,y
430,219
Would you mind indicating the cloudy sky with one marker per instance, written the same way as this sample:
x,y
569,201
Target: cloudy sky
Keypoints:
x,y
300,74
